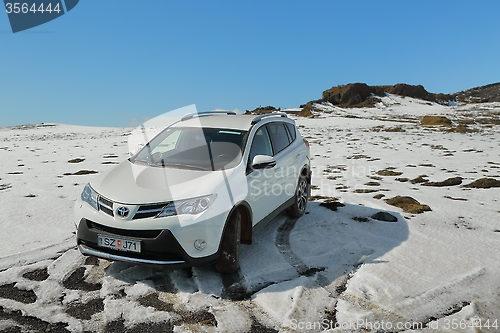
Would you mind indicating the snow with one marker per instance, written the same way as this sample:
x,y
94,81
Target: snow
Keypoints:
x,y
325,271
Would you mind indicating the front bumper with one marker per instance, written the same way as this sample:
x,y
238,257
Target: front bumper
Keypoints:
x,y
158,247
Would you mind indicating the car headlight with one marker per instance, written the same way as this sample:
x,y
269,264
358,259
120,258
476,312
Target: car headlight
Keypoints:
x,y
89,196
191,206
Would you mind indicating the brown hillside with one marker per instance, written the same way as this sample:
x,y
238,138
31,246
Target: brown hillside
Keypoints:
x,y
487,93
411,91
348,95
361,94
263,110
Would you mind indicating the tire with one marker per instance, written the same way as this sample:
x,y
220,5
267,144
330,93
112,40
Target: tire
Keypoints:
x,y
229,253
301,195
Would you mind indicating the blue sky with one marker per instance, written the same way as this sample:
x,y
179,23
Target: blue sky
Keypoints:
x,y
119,62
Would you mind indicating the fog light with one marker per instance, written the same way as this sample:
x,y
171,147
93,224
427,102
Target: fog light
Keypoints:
x,y
200,244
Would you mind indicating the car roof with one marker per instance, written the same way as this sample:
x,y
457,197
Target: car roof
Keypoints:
x,y
229,121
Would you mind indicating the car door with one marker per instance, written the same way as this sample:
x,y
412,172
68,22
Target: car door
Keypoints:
x,y
286,168
260,181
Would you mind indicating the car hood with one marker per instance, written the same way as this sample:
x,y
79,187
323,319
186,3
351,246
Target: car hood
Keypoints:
x,y
130,183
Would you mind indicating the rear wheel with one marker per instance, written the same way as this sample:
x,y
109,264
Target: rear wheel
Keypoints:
x,y
301,195
229,255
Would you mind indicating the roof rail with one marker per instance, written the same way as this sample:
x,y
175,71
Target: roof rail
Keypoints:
x,y
265,115
206,113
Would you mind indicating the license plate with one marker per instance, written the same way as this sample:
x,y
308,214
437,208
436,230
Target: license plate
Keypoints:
x,y
120,244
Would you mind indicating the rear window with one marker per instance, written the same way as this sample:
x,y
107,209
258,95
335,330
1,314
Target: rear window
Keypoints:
x,y
292,130
279,136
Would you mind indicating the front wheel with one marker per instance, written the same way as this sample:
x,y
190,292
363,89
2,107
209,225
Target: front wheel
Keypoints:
x,y
229,254
300,204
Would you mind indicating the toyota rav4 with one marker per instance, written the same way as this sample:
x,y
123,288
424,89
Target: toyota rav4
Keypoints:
x,y
197,190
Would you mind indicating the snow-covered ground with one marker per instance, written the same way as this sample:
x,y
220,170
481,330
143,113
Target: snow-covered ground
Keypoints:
x,y
336,268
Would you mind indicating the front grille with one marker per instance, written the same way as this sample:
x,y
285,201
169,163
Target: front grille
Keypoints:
x,y
146,211
105,205
148,234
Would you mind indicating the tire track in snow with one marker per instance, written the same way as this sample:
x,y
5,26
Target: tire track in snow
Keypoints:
x,y
456,291
320,281
408,310
455,308
53,252
284,247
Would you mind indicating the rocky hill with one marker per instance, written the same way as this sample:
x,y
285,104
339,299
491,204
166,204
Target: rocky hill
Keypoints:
x,y
482,94
263,109
363,95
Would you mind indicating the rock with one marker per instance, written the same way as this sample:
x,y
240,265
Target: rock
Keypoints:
x,y
76,160
448,182
384,216
389,172
263,110
306,110
408,204
333,205
411,91
462,128
5,186
435,121
419,179
81,172
484,183
347,95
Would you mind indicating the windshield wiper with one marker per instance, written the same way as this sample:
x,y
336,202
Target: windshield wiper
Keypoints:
x,y
137,160
184,166
162,163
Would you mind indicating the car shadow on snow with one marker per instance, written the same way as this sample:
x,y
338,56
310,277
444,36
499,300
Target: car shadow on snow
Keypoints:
x,y
326,246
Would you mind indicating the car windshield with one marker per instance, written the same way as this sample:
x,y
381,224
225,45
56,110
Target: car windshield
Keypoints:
x,y
193,148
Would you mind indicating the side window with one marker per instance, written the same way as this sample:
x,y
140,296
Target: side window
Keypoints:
x,y
292,130
279,136
261,144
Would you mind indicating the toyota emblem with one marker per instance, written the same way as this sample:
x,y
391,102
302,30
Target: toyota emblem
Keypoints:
x,y
122,211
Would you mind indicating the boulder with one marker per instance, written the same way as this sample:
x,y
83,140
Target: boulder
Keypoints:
x,y
408,204
435,121
384,216
484,183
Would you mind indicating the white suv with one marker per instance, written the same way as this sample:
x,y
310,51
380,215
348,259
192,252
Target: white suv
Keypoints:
x,y
196,191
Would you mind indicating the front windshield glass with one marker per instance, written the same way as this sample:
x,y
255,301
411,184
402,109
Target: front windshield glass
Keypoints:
x,y
193,148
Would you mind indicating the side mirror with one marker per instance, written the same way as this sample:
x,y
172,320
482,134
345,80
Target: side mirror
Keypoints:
x,y
263,162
